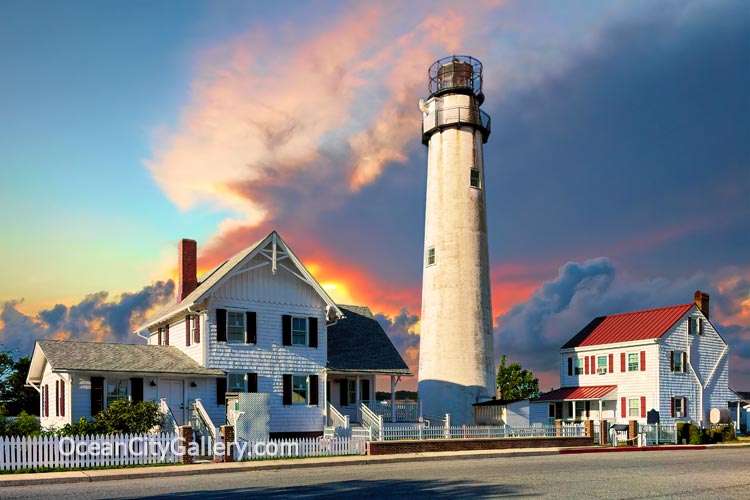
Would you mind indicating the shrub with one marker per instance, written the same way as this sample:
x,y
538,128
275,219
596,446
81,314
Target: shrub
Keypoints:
x,y
23,425
127,417
689,433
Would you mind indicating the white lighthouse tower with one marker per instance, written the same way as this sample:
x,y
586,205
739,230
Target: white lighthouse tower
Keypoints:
x,y
456,367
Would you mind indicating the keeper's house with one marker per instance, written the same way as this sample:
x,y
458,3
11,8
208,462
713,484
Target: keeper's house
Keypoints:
x,y
619,367
257,322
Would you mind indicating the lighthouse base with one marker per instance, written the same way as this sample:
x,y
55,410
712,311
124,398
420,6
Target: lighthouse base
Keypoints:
x,y
440,397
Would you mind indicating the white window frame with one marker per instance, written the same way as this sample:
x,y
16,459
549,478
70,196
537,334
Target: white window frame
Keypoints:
x,y
297,386
677,358
431,256
478,173
230,339
297,331
602,370
194,321
234,388
678,413
634,411
578,366
111,398
637,364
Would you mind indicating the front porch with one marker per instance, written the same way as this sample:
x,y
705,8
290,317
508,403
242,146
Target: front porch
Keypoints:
x,y
575,404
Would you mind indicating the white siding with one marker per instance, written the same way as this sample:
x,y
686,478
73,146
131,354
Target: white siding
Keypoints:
x,y
271,296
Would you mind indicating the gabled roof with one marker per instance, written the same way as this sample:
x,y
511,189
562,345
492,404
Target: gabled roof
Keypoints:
x,y
68,356
577,393
359,344
223,271
628,327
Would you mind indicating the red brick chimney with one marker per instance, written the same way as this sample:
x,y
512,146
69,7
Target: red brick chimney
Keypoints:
x,y
187,268
701,300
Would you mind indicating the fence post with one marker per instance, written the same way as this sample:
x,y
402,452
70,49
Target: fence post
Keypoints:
x,y
448,425
558,427
380,428
632,429
186,433
589,425
227,435
603,432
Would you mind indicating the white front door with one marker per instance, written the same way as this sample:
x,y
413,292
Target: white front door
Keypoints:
x,y
172,391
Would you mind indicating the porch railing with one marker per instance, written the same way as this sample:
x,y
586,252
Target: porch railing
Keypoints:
x,y
336,420
372,421
401,411
202,425
171,422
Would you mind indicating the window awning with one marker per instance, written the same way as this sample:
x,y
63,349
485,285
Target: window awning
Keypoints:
x,y
578,393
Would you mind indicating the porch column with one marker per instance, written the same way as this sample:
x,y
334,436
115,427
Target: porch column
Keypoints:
x,y
357,394
393,398
600,410
573,416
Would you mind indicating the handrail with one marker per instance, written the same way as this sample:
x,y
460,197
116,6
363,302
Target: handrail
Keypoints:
x,y
369,419
455,116
167,412
202,414
336,419
403,411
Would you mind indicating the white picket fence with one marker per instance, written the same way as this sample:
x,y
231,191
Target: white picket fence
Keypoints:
x,y
299,448
86,451
479,431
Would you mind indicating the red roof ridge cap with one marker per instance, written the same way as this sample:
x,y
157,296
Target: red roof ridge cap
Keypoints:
x,y
678,306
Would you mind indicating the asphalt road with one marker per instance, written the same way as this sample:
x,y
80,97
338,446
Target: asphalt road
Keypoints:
x,y
684,475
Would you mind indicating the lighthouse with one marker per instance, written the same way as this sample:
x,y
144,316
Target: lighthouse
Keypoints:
x,y
456,367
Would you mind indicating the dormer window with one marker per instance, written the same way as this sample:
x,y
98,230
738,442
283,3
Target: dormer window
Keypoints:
x,y
695,325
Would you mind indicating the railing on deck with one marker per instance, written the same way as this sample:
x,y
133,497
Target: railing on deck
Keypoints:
x,y
405,410
479,431
372,421
203,426
335,419
171,422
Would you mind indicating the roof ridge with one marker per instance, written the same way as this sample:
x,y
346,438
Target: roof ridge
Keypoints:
x,y
647,310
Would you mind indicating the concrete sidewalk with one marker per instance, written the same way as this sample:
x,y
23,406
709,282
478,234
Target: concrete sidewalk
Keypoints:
x,y
261,465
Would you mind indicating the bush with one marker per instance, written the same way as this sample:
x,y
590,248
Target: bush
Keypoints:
x,y
23,425
689,433
127,417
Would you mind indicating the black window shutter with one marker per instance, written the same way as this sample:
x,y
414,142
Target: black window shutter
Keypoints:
x,y
313,390
197,326
364,392
344,392
570,367
97,395
690,325
187,330
221,326
684,361
312,335
57,398
166,334
251,328
46,400
252,382
671,361
700,326
136,389
287,383
221,391
286,330
159,339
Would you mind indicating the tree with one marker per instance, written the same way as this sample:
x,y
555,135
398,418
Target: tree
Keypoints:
x,y
14,397
514,382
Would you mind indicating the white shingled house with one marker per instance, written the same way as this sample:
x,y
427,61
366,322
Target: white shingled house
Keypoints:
x,y
258,322
619,367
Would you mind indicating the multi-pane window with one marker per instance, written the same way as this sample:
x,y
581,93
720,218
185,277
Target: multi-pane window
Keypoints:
x,y
476,181
116,389
678,363
299,389
634,407
679,409
633,362
601,365
235,326
299,331
578,368
430,256
236,382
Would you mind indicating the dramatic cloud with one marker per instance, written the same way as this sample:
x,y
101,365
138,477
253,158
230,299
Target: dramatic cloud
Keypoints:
x,y
533,331
95,318
403,330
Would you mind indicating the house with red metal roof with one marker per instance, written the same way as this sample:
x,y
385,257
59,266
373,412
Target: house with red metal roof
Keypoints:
x,y
620,367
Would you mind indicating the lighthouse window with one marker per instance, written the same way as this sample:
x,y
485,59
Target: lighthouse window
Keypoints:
x,y
430,256
475,179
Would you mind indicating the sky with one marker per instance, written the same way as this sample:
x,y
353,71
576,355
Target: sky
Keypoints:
x,y
617,172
